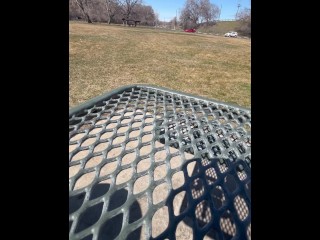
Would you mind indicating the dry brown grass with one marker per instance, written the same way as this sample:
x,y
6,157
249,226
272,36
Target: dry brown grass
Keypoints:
x,y
105,57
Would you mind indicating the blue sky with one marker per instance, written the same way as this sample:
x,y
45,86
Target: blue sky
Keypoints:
x,y
167,9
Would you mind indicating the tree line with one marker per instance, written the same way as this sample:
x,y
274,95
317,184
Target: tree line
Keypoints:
x,y
194,14
111,11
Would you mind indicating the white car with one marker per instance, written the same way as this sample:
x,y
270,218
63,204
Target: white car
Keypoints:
x,y
231,34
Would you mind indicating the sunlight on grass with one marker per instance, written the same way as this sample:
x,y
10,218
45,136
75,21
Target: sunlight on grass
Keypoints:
x,y
103,57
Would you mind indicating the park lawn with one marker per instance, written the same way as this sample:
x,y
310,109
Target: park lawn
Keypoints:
x,y
104,57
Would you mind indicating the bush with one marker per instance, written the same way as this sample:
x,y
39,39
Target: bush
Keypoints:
x,y
244,18
244,29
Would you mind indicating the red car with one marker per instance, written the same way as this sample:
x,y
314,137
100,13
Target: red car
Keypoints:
x,y
190,30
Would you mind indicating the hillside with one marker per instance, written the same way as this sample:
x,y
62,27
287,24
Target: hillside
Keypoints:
x,y
220,27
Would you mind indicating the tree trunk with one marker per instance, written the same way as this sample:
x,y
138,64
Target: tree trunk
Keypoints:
x,y
109,17
88,18
86,14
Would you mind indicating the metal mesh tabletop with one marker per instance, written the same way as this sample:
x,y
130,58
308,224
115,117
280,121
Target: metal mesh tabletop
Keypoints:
x,y
150,163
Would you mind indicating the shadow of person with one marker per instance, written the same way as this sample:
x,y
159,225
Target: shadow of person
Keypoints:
x,y
112,227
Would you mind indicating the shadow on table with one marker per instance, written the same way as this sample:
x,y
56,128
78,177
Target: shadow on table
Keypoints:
x,y
215,199
112,227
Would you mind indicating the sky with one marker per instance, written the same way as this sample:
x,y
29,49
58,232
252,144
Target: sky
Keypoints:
x,y
168,9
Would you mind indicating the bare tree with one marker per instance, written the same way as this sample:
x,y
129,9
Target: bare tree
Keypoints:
x,y
198,11
244,17
143,13
75,12
127,7
173,22
156,19
84,6
112,8
208,11
111,11
193,11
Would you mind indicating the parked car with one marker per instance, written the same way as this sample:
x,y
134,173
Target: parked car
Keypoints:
x,y
190,30
231,34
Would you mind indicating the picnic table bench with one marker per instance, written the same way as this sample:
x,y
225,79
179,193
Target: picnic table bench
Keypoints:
x,y
130,22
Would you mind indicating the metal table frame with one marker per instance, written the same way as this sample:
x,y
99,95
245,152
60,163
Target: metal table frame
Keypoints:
x,y
217,136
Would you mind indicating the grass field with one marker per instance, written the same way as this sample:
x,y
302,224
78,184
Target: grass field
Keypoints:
x,y
221,27
103,57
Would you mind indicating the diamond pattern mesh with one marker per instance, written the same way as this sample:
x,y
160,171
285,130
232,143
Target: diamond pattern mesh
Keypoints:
x,y
150,163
